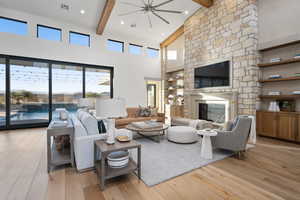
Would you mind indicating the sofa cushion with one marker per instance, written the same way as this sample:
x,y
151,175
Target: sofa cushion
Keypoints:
x,y
78,127
90,123
126,121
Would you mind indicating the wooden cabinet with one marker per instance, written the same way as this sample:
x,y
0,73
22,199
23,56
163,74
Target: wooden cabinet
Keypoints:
x,y
282,125
266,123
287,126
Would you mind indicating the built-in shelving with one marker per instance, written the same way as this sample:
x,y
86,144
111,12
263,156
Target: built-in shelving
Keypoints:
x,y
293,78
287,61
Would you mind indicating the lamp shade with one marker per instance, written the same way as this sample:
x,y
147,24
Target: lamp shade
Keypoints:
x,y
110,108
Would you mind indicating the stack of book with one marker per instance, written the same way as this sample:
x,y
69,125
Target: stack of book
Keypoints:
x,y
274,76
297,74
275,60
297,56
273,93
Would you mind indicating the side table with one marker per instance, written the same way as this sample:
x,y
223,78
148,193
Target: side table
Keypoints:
x,y
206,147
105,172
55,158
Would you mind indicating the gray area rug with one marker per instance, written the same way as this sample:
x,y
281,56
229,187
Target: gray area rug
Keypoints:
x,y
165,160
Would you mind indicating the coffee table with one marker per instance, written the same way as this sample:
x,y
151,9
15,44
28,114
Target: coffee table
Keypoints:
x,y
206,147
150,133
105,172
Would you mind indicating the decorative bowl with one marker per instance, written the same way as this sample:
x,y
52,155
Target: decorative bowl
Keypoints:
x,y
118,159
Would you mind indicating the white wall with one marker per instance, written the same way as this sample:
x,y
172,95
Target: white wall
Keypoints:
x,y
130,70
278,22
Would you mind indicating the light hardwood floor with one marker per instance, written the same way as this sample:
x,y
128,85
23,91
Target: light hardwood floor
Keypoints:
x,y
270,171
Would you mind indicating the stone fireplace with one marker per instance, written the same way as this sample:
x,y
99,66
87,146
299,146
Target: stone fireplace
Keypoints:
x,y
226,31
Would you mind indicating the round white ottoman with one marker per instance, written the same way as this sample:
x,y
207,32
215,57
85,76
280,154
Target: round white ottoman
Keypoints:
x,y
182,134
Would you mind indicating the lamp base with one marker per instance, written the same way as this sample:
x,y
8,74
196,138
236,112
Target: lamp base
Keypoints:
x,y
110,142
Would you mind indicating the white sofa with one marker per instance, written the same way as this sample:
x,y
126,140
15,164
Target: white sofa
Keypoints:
x,y
86,132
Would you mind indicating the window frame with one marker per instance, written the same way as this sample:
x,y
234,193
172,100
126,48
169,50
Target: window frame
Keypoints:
x,y
154,49
50,27
123,44
83,34
136,45
84,66
16,20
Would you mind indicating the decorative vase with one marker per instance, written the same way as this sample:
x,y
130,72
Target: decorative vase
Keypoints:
x,y
111,131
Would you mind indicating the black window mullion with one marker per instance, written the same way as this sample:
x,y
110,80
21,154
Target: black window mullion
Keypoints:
x,y
7,92
50,92
83,82
112,83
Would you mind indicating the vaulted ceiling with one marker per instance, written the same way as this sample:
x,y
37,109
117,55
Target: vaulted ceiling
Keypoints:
x,y
136,24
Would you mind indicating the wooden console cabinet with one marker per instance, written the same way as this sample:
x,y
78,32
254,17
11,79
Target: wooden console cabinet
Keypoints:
x,y
281,125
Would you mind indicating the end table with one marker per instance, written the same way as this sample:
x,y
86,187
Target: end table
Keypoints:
x,y
105,172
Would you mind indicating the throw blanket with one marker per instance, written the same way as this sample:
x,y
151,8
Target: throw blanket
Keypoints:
x,y
194,123
252,136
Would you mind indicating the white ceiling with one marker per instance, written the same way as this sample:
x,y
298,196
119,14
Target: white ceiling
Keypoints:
x,y
93,9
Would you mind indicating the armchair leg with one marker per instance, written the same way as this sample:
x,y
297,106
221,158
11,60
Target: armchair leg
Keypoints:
x,y
241,155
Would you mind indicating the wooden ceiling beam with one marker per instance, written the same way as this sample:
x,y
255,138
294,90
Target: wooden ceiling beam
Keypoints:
x,y
172,37
109,5
205,3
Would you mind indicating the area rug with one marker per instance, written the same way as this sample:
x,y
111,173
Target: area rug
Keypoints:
x,y
165,160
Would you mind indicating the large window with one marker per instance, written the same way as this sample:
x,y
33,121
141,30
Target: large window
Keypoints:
x,y
37,87
135,49
67,87
152,53
29,93
13,26
2,93
114,45
48,33
97,83
79,39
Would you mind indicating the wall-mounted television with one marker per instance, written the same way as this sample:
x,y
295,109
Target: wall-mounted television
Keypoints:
x,y
214,75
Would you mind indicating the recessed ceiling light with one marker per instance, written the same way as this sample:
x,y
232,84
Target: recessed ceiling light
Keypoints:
x,y
186,12
82,11
122,22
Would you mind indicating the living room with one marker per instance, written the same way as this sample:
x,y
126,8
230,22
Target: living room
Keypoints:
x,y
157,99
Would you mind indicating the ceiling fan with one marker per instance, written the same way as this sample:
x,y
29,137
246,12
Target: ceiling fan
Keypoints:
x,y
150,8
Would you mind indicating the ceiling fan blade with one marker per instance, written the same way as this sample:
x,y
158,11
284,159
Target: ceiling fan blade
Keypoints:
x,y
132,12
149,19
163,3
131,4
161,17
169,11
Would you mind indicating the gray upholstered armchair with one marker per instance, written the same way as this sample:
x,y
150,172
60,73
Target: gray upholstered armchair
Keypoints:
x,y
236,139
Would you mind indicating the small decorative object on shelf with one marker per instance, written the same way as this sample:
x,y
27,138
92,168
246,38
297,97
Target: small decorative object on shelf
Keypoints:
x,y
287,105
275,60
171,88
274,106
274,76
297,55
170,79
296,92
274,93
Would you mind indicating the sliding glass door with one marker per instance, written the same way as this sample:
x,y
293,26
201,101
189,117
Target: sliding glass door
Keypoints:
x,y
29,92
2,93
67,87
32,89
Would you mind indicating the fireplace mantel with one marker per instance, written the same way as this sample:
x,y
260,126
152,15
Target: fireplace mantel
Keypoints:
x,y
230,98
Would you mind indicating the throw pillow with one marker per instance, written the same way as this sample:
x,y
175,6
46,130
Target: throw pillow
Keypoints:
x,y
101,127
144,112
154,112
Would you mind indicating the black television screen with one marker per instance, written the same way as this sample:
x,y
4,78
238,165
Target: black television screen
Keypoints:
x,y
215,75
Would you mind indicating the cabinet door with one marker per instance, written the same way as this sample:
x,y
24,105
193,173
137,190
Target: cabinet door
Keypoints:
x,y
267,124
287,126
259,122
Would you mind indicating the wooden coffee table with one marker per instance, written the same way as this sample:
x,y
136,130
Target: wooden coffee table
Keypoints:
x,y
150,133
103,171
